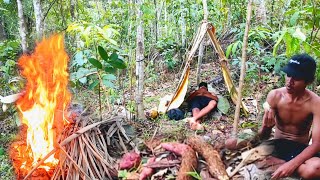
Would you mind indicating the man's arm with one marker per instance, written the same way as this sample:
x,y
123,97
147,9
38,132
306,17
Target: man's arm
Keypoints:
x,y
268,120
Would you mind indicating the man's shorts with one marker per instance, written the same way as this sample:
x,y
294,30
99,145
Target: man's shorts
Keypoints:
x,y
286,149
199,102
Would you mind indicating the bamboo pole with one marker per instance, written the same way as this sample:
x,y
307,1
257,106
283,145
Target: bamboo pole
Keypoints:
x,y
201,47
243,70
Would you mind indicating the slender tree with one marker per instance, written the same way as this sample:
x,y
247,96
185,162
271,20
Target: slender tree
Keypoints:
x,y
139,63
22,27
183,26
156,19
39,21
243,70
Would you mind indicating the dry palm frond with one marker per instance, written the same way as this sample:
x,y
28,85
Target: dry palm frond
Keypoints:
x,y
85,152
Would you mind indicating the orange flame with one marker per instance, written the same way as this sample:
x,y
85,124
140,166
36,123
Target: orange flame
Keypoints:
x,y
43,106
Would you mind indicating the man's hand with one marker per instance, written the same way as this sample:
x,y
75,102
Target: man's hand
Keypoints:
x,y
269,116
284,170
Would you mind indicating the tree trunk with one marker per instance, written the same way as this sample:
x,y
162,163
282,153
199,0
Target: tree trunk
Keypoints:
x,y
261,13
72,9
139,64
165,19
243,70
38,16
22,27
200,57
3,35
201,47
183,27
156,19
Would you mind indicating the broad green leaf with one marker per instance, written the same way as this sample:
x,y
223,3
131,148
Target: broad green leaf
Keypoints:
x,y
228,50
294,17
78,59
275,48
223,105
95,62
119,64
81,75
114,56
234,47
107,83
288,40
109,77
103,53
94,84
110,69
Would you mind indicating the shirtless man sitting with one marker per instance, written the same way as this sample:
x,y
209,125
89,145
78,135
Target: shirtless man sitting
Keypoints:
x,y
201,102
294,111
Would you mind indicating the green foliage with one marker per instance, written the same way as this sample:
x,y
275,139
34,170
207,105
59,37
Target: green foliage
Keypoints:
x,y
85,64
223,105
195,175
6,170
130,106
122,174
168,48
8,68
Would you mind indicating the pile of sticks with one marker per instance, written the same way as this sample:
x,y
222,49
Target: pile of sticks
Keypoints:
x,y
85,152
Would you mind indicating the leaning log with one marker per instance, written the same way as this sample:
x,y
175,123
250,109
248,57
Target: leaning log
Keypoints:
x,y
212,157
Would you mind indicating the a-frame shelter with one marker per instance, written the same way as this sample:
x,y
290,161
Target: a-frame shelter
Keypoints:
x,y
181,90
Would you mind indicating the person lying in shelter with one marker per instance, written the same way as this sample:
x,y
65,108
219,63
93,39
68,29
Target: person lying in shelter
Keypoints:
x,y
294,111
201,102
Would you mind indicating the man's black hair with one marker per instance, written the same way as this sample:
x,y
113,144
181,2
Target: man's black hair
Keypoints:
x,y
203,84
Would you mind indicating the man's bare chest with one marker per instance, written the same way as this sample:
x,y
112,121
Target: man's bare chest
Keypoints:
x,y
294,113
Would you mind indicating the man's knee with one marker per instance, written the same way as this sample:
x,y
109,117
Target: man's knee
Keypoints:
x,y
311,169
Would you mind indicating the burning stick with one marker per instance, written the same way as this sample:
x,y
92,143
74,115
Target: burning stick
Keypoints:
x,y
212,157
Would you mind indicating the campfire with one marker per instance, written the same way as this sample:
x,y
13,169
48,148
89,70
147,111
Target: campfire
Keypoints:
x,y
43,105
57,139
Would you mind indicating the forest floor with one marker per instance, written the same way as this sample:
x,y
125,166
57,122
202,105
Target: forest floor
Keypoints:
x,y
218,125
